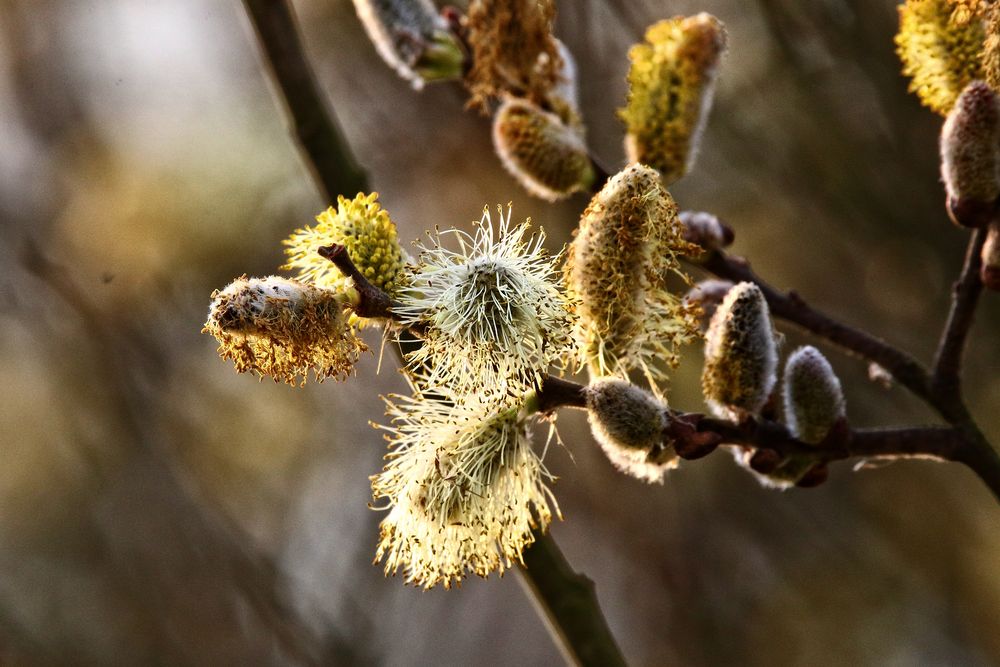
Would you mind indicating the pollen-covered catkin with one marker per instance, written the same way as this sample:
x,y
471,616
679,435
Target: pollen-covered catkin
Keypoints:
x,y
494,316
544,154
939,54
412,38
813,398
283,328
990,270
627,243
741,357
671,83
363,227
513,50
970,153
464,487
628,424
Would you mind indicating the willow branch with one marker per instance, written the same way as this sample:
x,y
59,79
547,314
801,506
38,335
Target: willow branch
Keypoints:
x,y
566,598
570,603
331,162
791,307
946,381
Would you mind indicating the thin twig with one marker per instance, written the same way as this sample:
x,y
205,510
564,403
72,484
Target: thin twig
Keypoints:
x,y
791,307
943,443
946,382
318,135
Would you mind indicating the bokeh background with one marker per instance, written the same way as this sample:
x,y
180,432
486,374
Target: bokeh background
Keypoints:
x,y
158,508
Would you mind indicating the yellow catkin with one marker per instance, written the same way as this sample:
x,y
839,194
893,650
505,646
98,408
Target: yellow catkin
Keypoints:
x,y
991,47
544,154
365,229
626,246
283,329
965,10
671,82
939,54
513,50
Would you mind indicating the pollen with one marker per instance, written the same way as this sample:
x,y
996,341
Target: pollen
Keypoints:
x,y
365,229
513,50
627,244
493,313
464,489
940,54
283,329
671,84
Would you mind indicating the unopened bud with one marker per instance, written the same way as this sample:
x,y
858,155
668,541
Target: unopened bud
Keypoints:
x,y
628,423
283,328
544,154
814,401
970,155
706,230
707,295
671,83
412,38
880,375
990,270
741,358
940,55
628,242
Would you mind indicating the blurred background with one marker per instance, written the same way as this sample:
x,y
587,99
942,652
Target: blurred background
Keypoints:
x,y
158,508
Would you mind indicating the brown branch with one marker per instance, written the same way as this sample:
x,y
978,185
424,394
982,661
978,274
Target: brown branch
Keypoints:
x,y
946,381
332,165
695,435
791,307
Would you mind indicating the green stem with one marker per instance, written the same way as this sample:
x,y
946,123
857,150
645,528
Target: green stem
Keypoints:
x,y
568,602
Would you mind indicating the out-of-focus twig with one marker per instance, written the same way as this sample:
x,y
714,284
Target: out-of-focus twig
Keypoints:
x,y
332,164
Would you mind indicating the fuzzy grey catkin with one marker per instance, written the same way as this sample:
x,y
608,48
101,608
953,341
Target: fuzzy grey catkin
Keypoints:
x,y
813,397
741,357
970,152
628,424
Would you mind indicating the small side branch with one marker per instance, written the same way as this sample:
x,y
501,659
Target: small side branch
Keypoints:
x,y
791,307
333,166
946,381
